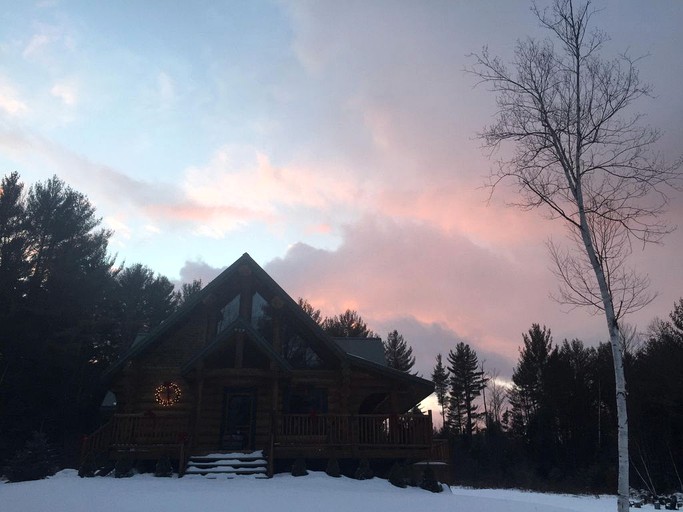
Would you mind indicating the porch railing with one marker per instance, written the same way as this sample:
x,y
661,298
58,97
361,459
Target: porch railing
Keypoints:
x,y
138,431
362,430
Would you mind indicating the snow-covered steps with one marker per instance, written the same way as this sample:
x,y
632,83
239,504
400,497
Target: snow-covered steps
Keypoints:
x,y
228,465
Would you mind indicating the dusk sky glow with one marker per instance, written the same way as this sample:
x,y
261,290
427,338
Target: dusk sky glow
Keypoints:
x,y
333,141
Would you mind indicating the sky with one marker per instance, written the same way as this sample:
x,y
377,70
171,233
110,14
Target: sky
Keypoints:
x,y
335,142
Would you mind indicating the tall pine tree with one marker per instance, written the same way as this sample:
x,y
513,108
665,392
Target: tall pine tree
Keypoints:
x,y
440,379
467,381
529,375
398,353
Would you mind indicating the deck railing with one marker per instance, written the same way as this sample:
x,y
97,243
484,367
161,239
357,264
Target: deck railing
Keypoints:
x,y
137,433
131,431
362,430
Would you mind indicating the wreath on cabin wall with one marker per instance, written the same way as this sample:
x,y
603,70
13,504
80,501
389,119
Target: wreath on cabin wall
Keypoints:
x,y
167,394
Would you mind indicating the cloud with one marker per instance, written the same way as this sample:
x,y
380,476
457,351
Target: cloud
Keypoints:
x,y
245,183
192,270
166,90
10,101
391,270
67,91
162,203
36,44
45,38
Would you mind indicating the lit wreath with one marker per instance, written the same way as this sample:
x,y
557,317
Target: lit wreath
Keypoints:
x,y
167,394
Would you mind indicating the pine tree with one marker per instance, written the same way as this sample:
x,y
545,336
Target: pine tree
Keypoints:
x,y
188,290
398,353
467,381
310,310
440,379
528,376
14,267
347,325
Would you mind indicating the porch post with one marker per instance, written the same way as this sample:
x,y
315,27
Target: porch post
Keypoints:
x,y
198,392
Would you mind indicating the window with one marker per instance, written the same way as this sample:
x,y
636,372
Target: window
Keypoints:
x,y
228,314
259,310
296,352
306,400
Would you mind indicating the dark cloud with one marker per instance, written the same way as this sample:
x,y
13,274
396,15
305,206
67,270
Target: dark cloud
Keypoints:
x,y
192,270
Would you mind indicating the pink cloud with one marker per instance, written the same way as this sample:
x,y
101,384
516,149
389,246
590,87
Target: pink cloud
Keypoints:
x,y
406,273
389,269
246,178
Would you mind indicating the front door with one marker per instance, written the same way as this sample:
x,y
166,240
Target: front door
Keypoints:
x,y
239,414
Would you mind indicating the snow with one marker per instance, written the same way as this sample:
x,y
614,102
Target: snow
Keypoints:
x,y
66,492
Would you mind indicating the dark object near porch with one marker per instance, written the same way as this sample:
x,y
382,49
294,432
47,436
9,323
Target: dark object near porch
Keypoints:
x,y
398,475
123,468
333,468
88,466
429,482
364,472
164,468
299,468
671,503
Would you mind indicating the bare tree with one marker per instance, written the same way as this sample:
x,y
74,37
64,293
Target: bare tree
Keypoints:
x,y
497,396
581,155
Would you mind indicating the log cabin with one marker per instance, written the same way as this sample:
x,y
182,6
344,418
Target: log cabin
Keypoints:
x,y
241,368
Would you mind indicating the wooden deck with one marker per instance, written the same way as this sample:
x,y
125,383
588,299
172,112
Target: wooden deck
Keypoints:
x,y
140,436
372,436
363,435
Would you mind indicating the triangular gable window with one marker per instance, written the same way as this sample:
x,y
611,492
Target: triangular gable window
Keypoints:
x,y
298,353
294,346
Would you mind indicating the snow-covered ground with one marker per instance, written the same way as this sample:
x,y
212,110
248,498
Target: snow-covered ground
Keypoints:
x,y
66,492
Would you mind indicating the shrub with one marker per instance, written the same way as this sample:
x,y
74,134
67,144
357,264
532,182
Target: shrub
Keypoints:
x,y
333,468
299,468
364,472
123,468
163,467
398,475
33,462
89,466
429,482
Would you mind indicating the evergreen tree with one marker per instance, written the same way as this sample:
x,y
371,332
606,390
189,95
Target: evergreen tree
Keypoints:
x,y
467,381
54,326
310,310
528,376
347,325
440,379
143,301
398,353
13,265
187,290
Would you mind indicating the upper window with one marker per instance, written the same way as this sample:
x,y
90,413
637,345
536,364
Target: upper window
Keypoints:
x,y
260,313
228,314
297,352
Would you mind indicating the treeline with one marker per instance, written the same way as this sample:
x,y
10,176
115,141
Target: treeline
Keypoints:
x,y
67,311
554,427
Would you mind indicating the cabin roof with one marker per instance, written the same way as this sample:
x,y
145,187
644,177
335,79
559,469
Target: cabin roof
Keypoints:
x,y
366,348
